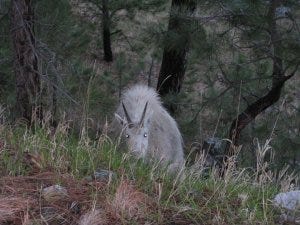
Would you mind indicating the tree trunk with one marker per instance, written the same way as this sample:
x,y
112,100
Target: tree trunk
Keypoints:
x,y
108,57
25,60
278,80
173,65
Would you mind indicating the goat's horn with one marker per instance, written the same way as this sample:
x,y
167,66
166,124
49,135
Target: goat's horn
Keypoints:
x,y
144,113
126,114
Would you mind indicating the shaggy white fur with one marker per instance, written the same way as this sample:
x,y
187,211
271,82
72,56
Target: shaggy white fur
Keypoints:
x,y
154,135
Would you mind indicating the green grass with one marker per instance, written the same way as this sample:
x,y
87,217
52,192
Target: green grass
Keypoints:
x,y
192,199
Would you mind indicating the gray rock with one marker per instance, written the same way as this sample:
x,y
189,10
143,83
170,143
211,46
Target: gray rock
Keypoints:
x,y
283,11
288,200
101,175
289,203
214,145
54,193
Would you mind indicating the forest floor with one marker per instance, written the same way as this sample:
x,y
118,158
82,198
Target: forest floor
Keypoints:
x,y
52,177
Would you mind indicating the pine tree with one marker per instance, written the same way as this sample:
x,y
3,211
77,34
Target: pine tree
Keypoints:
x,y
274,50
176,42
107,10
25,61
108,57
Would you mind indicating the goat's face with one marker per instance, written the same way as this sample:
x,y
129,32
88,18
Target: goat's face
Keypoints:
x,y
136,133
137,137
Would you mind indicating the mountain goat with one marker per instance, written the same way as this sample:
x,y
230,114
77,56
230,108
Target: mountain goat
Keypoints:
x,y
150,132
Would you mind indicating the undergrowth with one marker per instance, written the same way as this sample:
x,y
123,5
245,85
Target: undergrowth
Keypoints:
x,y
137,193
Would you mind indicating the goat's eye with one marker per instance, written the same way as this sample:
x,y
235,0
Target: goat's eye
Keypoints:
x,y
145,135
127,136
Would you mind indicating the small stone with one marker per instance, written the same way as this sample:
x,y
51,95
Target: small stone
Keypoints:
x,y
54,193
101,175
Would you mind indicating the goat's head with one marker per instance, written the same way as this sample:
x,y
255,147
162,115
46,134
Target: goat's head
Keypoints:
x,y
136,132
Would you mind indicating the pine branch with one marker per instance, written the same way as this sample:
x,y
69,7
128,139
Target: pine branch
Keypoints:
x,y
278,81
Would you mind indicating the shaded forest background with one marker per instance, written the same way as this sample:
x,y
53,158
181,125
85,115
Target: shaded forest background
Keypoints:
x,y
225,69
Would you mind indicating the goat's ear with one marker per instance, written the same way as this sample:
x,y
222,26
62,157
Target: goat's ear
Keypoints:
x,y
121,120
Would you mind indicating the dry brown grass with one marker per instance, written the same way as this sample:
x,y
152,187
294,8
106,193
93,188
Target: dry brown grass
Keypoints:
x,y
93,217
129,202
14,209
21,200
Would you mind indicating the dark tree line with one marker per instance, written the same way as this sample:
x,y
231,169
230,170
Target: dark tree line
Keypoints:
x,y
176,47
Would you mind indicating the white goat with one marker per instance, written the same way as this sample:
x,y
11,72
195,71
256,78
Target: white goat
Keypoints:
x,y
150,131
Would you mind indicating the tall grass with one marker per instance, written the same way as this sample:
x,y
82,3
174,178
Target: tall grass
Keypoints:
x,y
142,191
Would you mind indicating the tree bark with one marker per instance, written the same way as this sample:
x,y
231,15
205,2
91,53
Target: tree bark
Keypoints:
x,y
251,112
25,60
173,65
108,56
278,80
